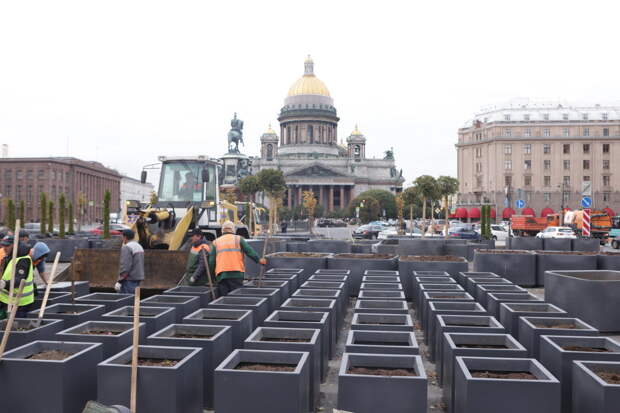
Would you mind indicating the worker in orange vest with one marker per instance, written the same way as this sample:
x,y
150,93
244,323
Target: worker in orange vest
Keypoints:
x,y
227,260
199,244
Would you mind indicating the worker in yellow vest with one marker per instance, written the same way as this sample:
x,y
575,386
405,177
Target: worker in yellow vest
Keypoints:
x,y
23,271
199,244
226,260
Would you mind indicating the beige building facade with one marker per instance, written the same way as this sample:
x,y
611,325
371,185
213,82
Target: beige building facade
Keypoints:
x,y
546,154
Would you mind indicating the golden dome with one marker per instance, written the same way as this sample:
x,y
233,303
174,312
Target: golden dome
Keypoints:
x,y
270,131
308,84
356,132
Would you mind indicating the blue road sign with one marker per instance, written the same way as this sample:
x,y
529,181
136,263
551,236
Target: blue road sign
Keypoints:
x,y
520,203
586,202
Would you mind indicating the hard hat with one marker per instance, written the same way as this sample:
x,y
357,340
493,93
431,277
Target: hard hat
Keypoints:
x,y
228,226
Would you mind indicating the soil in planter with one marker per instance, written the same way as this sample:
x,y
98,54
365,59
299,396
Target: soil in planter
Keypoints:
x,y
301,254
445,296
265,367
609,377
588,349
102,332
382,343
366,256
432,258
154,362
50,355
181,335
616,254
286,339
505,252
376,371
215,317
559,325
466,325
507,375
383,323
545,252
74,312
497,346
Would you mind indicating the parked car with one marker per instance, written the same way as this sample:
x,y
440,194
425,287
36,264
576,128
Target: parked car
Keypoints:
x,y
368,231
31,228
115,229
463,232
386,232
499,232
557,232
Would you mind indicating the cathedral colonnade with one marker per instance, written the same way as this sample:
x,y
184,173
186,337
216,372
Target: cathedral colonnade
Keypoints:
x,y
331,197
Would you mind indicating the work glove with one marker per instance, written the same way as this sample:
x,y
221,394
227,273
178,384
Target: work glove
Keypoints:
x,y
192,280
2,284
117,287
262,261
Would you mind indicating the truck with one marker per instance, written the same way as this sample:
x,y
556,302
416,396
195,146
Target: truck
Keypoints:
x,y
527,225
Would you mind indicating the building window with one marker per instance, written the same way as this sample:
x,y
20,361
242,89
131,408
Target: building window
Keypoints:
x,y
29,174
564,116
586,131
527,180
40,173
527,132
565,132
527,148
586,164
566,196
19,174
566,148
606,196
605,131
269,152
605,163
605,148
566,164
7,190
547,132
8,174
584,116
547,164
545,116
586,148
478,167
527,164
547,196
547,181
507,149
357,150
508,181
586,178
478,181
507,117
605,116
566,180
528,196
547,148
29,194
508,164
508,132
526,117
606,180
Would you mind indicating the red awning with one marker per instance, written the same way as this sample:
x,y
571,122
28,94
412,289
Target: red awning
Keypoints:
x,y
507,213
546,211
493,213
474,213
528,211
609,212
460,213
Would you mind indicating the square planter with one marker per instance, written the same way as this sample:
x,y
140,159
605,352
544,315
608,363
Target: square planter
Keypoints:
x,y
113,335
293,280
183,304
381,342
382,322
281,386
594,390
381,295
326,285
586,244
434,295
495,299
428,246
525,243
163,388
448,263
562,261
589,295
329,278
216,342
509,314
531,328
53,298
320,305
285,270
25,331
154,318
274,299
540,394
408,275
259,307
483,290
462,277
49,385
71,314
203,292
381,306
557,353
239,321
359,263
338,295
381,286
283,285
81,287
472,283
518,266
293,339
308,261
557,244
608,260
427,287
399,379
332,271
333,246
111,301
436,308
381,279
449,323
473,345
380,273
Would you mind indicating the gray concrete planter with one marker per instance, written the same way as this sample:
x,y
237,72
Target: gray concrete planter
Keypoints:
x,y
298,246
592,394
333,271
451,265
332,246
50,386
239,321
381,342
382,322
427,246
71,314
273,338
421,289
183,304
440,297
458,250
381,307
518,266
81,287
482,395
154,318
361,248
197,291
317,305
111,301
381,287
170,389
608,261
589,295
472,283
408,276
337,295
283,286
285,270
557,244
293,280
216,342
525,243
259,307
53,298
509,314
462,277
274,299
308,261
116,336
359,263
436,308
325,285
399,394
586,244
558,261
429,280
24,331
483,290
531,328
381,295
345,279
495,299
381,279
555,356
473,345
263,391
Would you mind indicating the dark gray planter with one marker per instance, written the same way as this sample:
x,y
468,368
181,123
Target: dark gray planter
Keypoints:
x,y
317,305
285,270
608,260
472,283
183,304
111,301
216,342
381,295
381,342
558,261
252,268
560,361
50,386
459,345
451,267
298,246
381,279
436,308
292,279
310,263
462,277
483,290
345,279
326,285
531,328
111,344
440,296
481,395
19,336
332,246
81,288
267,338
65,312
430,280
198,291
408,275
361,248
173,389
381,286
450,323
283,286
432,287
66,247
359,263
358,392
518,266
525,243
586,244
154,318
263,391
337,295
428,246
274,299
53,298
239,321
333,271
495,299
382,322
589,295
381,306
591,394
259,307
509,314
557,244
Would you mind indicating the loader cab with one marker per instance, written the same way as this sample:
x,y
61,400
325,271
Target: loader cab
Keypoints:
x,y
187,181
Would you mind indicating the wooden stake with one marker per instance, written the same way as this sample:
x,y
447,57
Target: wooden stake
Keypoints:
x,y
133,397
206,261
13,263
48,287
9,323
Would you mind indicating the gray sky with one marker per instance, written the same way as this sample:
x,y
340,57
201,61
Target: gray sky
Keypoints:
x,y
122,82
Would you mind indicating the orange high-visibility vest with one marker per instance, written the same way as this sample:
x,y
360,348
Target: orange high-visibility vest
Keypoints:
x,y
196,250
229,255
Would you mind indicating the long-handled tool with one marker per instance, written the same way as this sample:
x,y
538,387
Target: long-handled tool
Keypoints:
x,y
11,320
261,275
206,262
133,395
48,287
13,263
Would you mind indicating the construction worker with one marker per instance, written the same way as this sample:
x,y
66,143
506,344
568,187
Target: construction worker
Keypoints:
x,y
23,271
226,260
131,268
39,253
199,244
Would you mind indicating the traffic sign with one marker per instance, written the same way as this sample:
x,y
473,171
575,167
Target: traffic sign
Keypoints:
x,y
585,223
586,202
520,203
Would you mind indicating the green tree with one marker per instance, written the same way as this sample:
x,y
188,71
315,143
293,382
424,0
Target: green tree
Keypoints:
x,y
43,214
82,203
427,188
250,186
106,214
369,209
21,214
309,202
400,212
70,231
61,215
447,186
272,183
154,198
50,217
386,200
11,213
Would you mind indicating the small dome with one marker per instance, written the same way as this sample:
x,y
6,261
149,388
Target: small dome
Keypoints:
x,y
269,135
308,84
356,132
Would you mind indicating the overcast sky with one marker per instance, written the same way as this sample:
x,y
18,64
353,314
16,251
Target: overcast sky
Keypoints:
x,y
122,82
